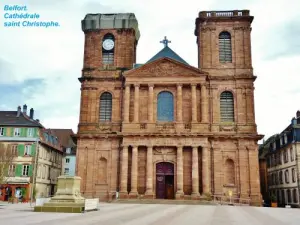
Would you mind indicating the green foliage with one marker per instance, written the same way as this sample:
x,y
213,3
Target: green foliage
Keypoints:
x,y
24,192
273,198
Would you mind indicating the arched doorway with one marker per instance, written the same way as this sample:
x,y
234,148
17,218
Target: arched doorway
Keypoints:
x,y
165,180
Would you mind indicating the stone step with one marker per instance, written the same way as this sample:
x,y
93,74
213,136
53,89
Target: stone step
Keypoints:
x,y
164,201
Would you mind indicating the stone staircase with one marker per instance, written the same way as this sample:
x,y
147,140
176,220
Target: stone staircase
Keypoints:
x,y
164,201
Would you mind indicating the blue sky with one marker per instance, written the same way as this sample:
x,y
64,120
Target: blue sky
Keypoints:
x,y
40,67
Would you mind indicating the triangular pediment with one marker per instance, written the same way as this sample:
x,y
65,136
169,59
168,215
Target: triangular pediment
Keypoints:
x,y
165,67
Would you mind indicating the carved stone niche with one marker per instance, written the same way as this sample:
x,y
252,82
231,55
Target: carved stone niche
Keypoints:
x,y
164,151
228,128
104,127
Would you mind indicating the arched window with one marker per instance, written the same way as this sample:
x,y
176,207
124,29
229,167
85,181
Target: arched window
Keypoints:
x,y
229,172
295,195
293,175
108,48
105,106
225,47
289,196
227,107
165,106
287,179
283,196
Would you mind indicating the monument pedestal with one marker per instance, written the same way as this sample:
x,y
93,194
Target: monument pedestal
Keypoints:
x,y
67,197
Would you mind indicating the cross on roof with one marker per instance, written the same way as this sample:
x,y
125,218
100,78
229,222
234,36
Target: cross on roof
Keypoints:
x,y
165,41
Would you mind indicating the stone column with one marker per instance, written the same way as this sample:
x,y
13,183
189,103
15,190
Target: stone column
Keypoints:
x,y
204,104
206,179
149,182
179,193
194,103
136,102
124,172
150,103
126,103
134,171
195,173
179,103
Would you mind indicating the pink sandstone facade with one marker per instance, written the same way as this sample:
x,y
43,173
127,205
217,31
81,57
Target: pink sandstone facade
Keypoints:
x,y
204,149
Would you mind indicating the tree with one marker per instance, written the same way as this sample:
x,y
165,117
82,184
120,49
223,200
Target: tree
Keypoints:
x,y
7,155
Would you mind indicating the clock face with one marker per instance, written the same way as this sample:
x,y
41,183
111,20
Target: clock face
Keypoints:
x,y
108,44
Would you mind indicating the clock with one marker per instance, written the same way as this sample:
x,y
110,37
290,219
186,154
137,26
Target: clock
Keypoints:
x,y
108,44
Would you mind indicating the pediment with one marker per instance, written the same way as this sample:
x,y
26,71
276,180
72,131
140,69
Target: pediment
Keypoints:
x,y
165,67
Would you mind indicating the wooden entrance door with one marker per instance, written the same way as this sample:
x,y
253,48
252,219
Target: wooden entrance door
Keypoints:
x,y
164,180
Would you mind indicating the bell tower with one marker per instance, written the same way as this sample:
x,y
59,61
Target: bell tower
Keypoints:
x,y
109,48
110,41
224,45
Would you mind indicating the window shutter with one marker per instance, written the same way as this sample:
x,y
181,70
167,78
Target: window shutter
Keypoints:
x,y
12,130
23,132
20,150
225,53
34,132
4,131
227,107
30,170
105,106
33,148
19,170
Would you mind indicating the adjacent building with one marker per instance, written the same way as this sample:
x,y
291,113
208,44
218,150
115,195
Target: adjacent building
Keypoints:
x,y
166,129
263,169
21,132
38,156
49,163
283,162
69,149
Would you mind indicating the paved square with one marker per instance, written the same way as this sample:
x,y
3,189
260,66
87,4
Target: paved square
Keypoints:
x,y
142,214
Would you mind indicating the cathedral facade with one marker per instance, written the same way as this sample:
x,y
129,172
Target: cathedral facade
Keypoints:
x,y
165,129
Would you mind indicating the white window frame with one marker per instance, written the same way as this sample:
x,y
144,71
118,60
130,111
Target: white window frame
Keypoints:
x,y
1,131
17,132
274,145
30,132
281,141
68,150
25,170
11,170
292,155
285,139
27,150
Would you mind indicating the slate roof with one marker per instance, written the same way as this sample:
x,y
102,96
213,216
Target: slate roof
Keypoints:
x,y
169,53
10,118
64,136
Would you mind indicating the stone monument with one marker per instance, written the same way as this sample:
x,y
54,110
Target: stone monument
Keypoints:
x,y
67,197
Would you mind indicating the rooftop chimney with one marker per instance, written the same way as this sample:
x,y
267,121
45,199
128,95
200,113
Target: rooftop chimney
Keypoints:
x,y
298,114
31,113
25,109
19,111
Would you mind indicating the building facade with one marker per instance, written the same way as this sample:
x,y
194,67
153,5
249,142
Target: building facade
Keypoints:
x,y
30,169
166,129
69,149
21,132
283,162
263,169
49,163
